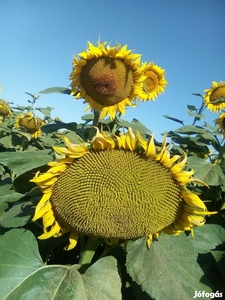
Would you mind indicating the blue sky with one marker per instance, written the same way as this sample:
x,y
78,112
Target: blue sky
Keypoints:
x,y
186,38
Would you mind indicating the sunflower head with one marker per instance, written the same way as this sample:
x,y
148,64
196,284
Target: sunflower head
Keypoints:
x,y
220,122
117,188
5,110
108,78
155,81
215,96
30,123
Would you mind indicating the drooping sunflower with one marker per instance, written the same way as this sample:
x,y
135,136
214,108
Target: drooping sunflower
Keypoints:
x,y
220,122
215,96
107,78
117,188
31,123
5,110
155,83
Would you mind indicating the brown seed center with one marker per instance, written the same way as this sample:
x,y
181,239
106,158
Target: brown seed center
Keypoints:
x,y
107,80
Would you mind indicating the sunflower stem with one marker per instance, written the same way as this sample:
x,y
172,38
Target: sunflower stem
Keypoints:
x,y
94,123
89,252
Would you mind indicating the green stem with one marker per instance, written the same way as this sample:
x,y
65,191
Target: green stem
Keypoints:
x,y
199,112
89,251
94,123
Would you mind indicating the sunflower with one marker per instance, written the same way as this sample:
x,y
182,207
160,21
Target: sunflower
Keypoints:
x,y
123,188
215,96
155,82
220,122
5,110
107,78
30,123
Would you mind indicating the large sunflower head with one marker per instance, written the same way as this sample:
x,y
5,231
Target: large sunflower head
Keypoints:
x,y
215,96
155,82
117,188
5,110
108,78
30,123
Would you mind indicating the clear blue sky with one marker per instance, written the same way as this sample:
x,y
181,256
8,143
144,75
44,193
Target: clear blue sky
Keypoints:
x,y
39,39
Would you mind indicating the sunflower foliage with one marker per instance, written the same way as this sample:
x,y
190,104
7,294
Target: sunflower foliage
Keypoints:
x,y
180,265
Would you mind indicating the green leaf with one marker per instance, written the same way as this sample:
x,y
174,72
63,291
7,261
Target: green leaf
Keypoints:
x,y
173,119
205,171
191,107
199,95
219,100
213,128
59,125
5,128
199,116
20,162
19,215
7,196
208,237
134,124
23,275
61,90
19,258
209,243
191,129
88,117
74,138
45,111
219,257
168,270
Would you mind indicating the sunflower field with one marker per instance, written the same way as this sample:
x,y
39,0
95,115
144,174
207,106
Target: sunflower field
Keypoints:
x,y
101,209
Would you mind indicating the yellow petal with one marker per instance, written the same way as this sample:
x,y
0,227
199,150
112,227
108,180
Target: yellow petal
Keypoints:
x,y
73,238
150,151
54,231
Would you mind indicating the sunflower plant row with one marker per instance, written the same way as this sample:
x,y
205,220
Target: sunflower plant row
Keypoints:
x,y
102,210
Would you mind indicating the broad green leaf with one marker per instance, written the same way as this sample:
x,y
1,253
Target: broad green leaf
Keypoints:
x,y
208,137
198,116
134,124
191,107
19,258
61,90
205,171
27,108
219,257
173,119
5,128
191,129
101,281
19,215
19,133
209,243
208,237
7,196
88,117
20,162
168,270
73,137
46,110
213,128
6,141
59,125
31,279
